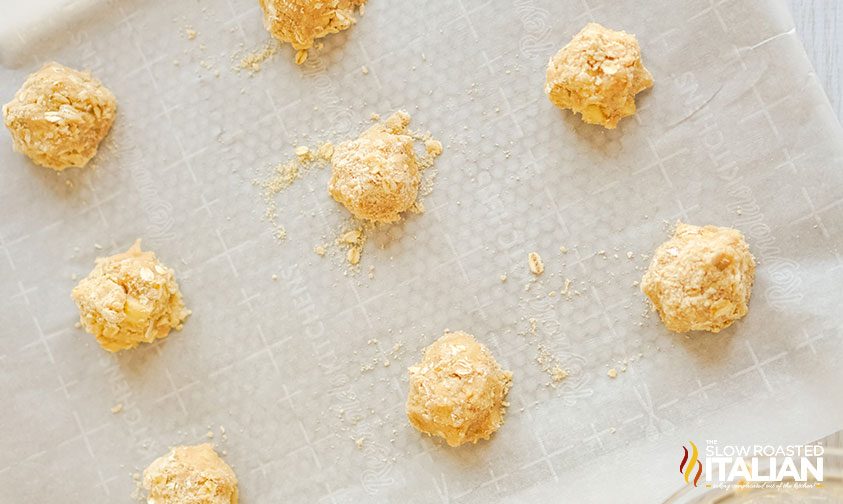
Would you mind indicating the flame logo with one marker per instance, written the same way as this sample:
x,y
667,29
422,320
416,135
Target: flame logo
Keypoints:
x,y
689,461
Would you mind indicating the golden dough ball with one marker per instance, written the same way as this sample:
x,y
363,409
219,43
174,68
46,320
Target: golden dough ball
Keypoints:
x,y
190,475
701,278
301,22
598,75
458,390
128,299
376,177
59,116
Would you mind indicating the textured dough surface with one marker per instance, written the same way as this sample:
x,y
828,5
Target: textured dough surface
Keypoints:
x,y
598,75
701,278
376,176
59,116
457,391
128,299
300,22
190,475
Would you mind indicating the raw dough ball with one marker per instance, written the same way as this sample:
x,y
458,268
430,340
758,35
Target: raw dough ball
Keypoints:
x,y
129,298
59,116
598,75
376,177
457,391
701,279
190,475
300,22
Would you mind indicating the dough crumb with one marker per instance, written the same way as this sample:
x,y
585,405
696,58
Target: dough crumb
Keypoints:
x,y
536,264
117,408
59,116
325,151
190,475
433,147
128,299
319,250
612,373
558,374
353,240
301,22
458,390
597,75
700,279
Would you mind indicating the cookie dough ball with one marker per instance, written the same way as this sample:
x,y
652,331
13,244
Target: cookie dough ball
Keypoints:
x,y
598,75
457,391
190,475
128,299
59,116
701,279
300,22
376,177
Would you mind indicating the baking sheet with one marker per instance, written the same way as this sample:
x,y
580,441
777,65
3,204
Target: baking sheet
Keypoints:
x,y
735,132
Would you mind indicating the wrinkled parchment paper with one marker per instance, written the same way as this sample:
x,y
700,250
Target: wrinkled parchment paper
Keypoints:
x,y
298,370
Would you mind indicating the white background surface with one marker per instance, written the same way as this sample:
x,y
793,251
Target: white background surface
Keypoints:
x,y
257,356
819,24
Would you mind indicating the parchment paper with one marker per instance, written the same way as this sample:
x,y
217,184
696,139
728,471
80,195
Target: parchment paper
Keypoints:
x,y
736,132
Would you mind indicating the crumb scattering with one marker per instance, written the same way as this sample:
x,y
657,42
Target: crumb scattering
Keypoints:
x,y
253,61
377,177
286,174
